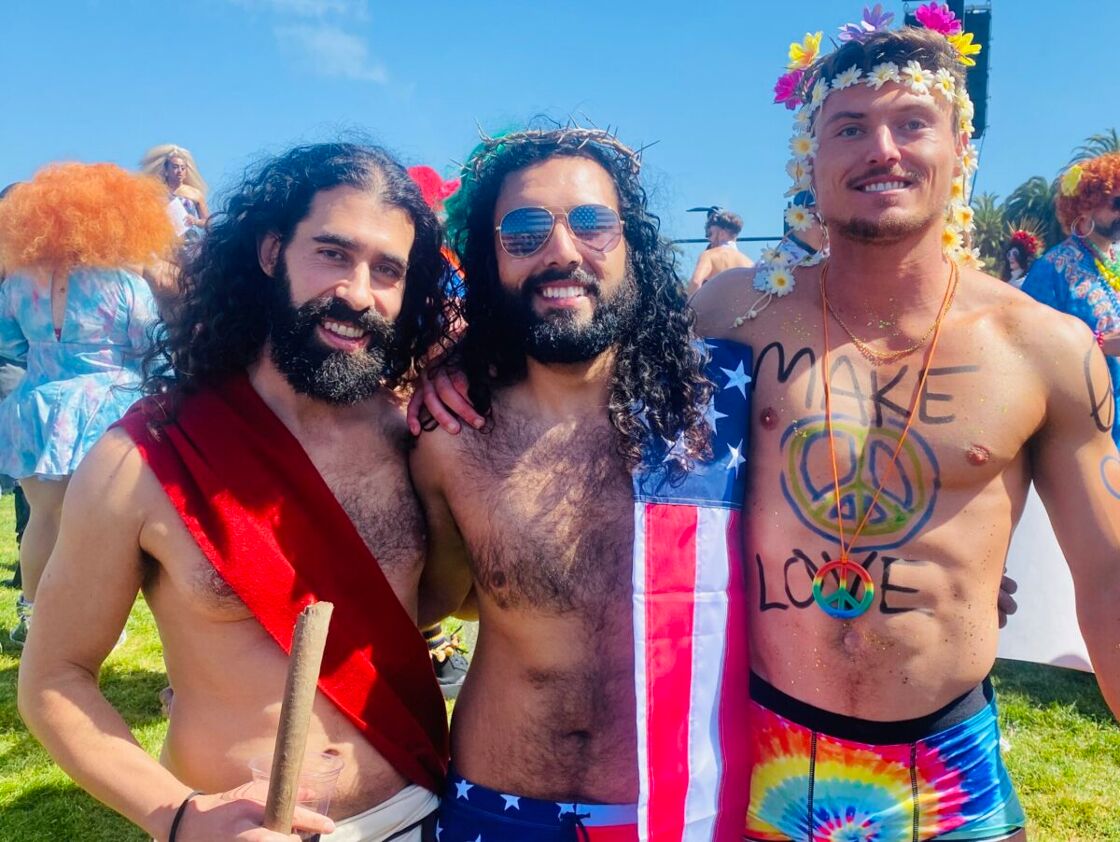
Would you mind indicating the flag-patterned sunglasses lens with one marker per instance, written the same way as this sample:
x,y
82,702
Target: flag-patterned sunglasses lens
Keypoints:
x,y
524,231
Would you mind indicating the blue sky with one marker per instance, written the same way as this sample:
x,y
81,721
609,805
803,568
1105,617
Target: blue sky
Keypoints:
x,y
229,79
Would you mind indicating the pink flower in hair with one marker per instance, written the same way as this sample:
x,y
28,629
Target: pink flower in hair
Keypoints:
x,y
938,17
786,89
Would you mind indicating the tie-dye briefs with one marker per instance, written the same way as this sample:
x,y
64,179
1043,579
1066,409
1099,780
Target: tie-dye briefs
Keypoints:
x,y
469,812
822,777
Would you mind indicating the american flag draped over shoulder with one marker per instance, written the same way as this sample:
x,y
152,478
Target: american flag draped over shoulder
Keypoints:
x,y
690,626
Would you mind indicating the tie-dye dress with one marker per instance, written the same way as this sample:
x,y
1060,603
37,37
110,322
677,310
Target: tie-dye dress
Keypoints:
x,y
79,381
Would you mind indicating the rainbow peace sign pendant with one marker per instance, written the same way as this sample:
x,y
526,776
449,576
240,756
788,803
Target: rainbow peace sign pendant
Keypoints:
x,y
843,603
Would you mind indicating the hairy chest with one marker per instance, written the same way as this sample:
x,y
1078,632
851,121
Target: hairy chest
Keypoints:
x,y
548,517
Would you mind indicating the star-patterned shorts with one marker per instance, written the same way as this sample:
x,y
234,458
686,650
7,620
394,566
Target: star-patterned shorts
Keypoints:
x,y
472,813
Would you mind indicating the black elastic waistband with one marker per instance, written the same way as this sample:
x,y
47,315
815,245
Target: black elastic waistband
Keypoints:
x,y
867,730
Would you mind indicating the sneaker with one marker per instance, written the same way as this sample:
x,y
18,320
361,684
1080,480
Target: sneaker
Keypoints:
x,y
450,673
18,635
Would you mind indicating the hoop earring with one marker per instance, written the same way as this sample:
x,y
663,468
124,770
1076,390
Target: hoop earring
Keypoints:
x,y
1073,228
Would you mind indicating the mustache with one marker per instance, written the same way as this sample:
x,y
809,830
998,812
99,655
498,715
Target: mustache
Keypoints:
x,y
548,276
886,172
334,308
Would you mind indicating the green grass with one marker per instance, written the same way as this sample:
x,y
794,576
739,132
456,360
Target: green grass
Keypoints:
x,y
1064,756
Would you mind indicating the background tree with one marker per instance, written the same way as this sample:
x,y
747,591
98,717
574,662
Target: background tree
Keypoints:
x,y
1094,145
988,229
1033,201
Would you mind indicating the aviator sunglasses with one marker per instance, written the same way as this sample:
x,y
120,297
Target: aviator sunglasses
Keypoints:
x,y
524,231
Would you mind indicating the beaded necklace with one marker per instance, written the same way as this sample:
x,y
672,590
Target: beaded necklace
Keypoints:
x,y
842,603
1107,269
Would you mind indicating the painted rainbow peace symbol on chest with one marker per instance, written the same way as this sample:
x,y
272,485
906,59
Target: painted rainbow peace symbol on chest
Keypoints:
x,y
909,493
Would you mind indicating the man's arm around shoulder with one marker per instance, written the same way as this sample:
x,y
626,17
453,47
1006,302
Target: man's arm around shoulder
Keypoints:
x,y
84,599
1076,469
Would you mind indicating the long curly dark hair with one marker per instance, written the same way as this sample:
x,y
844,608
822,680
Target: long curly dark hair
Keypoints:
x,y
218,325
658,390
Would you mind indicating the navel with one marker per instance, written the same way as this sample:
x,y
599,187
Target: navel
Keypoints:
x,y
768,418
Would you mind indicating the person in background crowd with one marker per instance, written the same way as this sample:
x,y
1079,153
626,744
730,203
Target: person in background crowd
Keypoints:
x,y
175,167
1081,275
1019,254
79,320
721,229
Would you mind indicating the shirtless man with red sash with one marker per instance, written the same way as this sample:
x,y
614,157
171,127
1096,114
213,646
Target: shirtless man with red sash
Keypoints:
x,y
266,471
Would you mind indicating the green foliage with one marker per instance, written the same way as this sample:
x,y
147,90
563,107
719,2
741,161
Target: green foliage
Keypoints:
x,y
1030,206
1064,754
1095,145
988,233
1034,200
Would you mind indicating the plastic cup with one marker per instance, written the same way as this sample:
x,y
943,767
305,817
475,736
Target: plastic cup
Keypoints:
x,y
317,780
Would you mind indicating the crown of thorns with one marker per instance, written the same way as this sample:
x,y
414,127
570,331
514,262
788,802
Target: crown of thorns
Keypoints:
x,y
569,137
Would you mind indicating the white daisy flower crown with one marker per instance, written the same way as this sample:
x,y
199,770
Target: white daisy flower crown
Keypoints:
x,y
801,90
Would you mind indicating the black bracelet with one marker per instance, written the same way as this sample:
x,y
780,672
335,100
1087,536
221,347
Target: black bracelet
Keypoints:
x,y
179,815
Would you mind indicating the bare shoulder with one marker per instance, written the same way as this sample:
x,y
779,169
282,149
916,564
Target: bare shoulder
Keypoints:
x,y
1037,327
434,455
114,475
729,292
1055,344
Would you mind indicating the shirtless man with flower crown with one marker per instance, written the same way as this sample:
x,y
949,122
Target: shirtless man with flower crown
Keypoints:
x,y
903,403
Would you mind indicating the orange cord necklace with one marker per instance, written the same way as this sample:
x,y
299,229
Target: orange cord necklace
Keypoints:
x,y
843,603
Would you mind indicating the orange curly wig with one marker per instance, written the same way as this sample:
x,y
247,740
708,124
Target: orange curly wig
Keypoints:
x,y
1100,179
84,215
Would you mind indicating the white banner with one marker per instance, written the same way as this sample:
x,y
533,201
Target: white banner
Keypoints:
x,y
1044,629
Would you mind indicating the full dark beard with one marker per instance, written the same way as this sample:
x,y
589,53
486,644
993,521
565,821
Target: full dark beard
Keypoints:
x,y
558,337
312,368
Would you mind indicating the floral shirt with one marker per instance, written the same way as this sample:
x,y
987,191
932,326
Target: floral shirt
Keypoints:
x,y
1067,279
78,381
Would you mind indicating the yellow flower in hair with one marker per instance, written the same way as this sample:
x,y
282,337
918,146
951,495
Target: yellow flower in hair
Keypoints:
x,y
803,54
966,258
969,159
803,145
951,239
916,78
798,218
846,79
964,103
962,215
962,43
956,192
883,73
1071,180
780,281
943,83
965,126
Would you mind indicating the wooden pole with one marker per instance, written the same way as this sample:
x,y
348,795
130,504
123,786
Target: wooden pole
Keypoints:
x,y
308,641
